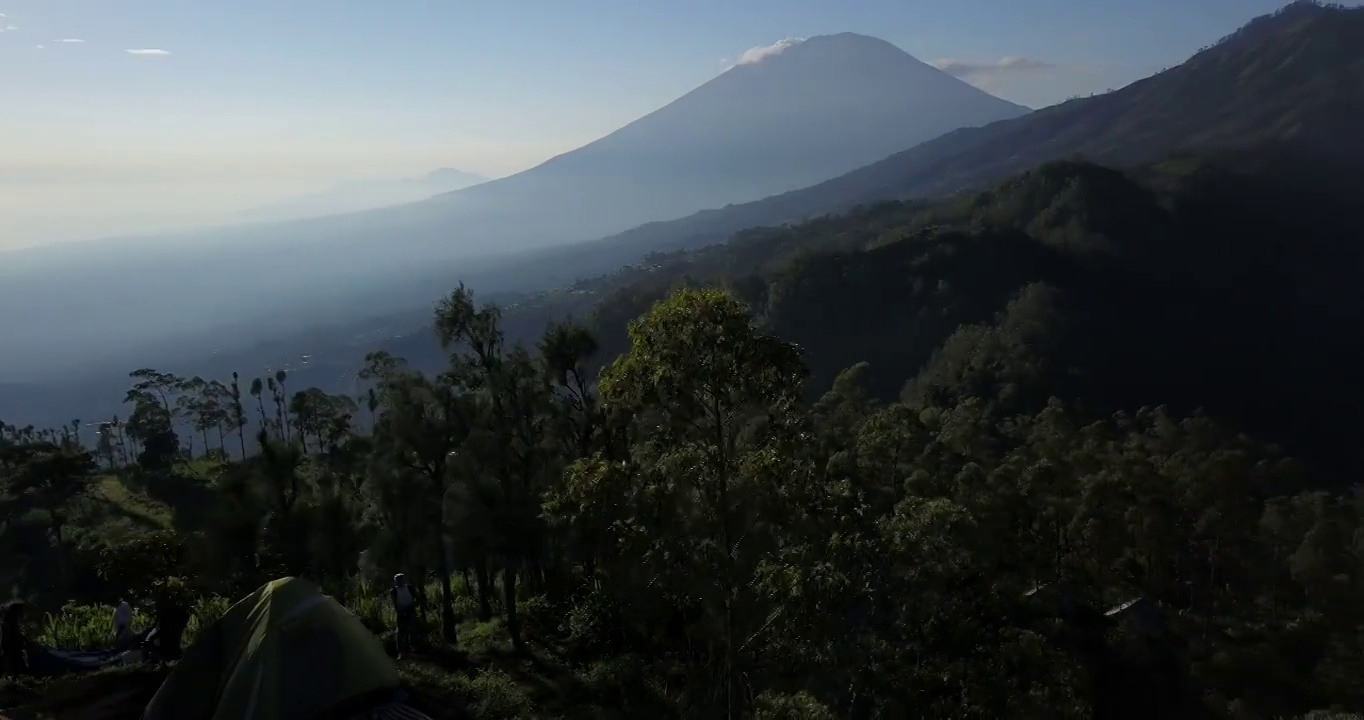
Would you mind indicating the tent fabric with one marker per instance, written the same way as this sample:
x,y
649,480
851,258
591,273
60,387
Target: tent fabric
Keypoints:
x,y
44,660
391,711
284,652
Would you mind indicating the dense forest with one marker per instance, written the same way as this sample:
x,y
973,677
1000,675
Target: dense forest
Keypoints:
x,y
1076,446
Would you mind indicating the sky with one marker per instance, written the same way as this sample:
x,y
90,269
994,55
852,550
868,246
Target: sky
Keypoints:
x,y
133,115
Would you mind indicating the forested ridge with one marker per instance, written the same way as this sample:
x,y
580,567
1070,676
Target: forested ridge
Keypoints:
x,y
917,460
1182,283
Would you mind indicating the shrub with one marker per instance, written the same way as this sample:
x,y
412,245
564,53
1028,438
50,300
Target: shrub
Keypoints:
x,y
800,706
490,694
493,694
91,627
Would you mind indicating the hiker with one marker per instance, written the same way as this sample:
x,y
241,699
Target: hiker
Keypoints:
x,y
123,623
13,648
404,606
171,619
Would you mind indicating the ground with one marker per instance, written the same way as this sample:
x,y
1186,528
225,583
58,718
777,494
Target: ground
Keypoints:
x,y
488,683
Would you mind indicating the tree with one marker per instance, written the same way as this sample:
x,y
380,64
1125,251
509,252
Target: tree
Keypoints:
x,y
50,474
326,418
280,394
257,388
698,374
565,349
237,413
423,425
513,394
152,420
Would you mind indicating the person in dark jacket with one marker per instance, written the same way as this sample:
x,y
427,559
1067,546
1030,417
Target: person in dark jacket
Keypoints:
x,y
172,617
13,647
404,598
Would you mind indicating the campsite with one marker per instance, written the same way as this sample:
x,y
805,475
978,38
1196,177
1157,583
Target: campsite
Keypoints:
x,y
286,650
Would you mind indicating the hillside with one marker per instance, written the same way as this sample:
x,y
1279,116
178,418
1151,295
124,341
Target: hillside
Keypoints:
x,y
815,111
357,195
1183,282
1296,76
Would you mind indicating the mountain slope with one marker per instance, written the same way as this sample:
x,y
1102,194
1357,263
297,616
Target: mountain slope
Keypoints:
x,y
1295,76
816,110
356,195
1188,282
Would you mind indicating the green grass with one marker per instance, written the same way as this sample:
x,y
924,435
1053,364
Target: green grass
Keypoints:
x,y
90,627
111,512
115,508
482,678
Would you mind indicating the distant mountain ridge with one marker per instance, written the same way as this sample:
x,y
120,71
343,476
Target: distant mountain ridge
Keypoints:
x,y
1295,76
356,195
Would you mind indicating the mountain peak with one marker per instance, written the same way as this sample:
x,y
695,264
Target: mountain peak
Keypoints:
x,y
846,40
453,175
787,115
1286,19
842,48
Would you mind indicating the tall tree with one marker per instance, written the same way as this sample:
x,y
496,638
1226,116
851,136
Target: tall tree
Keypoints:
x,y
238,412
699,373
423,425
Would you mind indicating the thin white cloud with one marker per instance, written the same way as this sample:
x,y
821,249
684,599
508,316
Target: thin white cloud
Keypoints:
x,y
39,47
1013,65
8,28
758,54
147,51
69,40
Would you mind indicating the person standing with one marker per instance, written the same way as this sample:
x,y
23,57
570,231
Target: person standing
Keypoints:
x,y
13,648
123,623
172,617
404,607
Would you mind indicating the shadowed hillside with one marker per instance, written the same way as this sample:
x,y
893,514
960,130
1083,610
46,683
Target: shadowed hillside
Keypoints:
x,y
1185,283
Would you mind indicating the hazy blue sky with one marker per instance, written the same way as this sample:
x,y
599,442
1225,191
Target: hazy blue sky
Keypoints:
x,y
231,103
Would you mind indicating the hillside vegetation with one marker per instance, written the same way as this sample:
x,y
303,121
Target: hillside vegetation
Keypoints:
x,y
1182,283
936,458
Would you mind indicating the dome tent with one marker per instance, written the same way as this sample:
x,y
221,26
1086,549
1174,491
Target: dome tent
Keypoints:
x,y
284,652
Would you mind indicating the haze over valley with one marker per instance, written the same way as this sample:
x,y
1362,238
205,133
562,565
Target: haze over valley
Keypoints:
x,y
811,111
766,141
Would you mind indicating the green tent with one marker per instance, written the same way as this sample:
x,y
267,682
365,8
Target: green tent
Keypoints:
x,y
284,652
